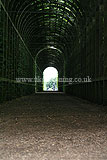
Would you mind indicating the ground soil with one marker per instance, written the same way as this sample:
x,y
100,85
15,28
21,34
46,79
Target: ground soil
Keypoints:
x,y
52,127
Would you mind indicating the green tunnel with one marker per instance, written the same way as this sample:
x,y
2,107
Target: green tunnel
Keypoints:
x,y
70,35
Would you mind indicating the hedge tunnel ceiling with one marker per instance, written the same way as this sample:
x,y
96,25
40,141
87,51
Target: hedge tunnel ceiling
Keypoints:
x,y
44,23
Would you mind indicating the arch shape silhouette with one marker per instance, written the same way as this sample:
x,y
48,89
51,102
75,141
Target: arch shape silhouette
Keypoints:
x,y
50,79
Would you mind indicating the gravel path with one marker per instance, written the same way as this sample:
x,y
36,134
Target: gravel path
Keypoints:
x,y
52,127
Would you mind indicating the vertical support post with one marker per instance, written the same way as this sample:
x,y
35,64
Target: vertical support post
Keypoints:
x,y
35,67
64,77
105,53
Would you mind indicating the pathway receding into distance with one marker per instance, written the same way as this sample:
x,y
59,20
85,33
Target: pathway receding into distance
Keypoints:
x,y
52,127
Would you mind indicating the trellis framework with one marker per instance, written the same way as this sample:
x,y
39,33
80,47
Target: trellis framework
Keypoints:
x,y
74,28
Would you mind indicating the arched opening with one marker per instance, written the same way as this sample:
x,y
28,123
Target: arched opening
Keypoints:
x,y
50,79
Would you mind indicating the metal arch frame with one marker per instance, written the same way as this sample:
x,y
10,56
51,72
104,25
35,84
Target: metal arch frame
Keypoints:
x,y
35,20
52,48
64,37
72,3
67,6
55,62
77,2
60,37
30,25
22,27
48,47
32,32
58,46
57,2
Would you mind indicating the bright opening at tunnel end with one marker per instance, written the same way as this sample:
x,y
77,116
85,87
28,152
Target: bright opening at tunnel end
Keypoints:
x,y
50,79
